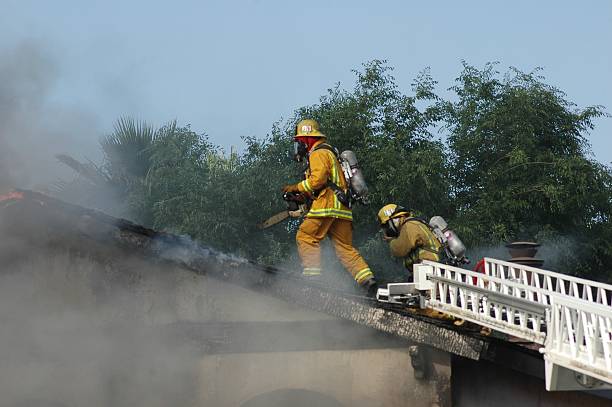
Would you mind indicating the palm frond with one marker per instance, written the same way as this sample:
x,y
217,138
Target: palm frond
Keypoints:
x,y
128,131
127,149
89,171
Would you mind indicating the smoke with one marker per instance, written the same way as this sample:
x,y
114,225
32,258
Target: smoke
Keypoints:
x,y
78,333
558,251
129,303
34,126
555,251
125,331
499,252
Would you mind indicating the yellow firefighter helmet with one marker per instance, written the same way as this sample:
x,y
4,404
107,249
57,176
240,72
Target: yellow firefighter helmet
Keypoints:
x,y
391,211
308,128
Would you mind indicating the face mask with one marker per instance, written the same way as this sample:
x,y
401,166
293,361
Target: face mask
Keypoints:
x,y
390,229
300,150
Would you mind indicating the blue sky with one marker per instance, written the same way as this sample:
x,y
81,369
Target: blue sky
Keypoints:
x,y
232,68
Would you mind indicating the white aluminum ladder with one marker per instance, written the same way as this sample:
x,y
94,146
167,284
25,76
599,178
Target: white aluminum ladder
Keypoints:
x,y
569,316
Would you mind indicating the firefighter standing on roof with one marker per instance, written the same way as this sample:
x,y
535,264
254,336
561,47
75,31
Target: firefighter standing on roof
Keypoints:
x,y
409,237
327,215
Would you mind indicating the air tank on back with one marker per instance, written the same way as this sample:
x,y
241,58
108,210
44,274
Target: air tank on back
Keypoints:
x,y
454,245
356,178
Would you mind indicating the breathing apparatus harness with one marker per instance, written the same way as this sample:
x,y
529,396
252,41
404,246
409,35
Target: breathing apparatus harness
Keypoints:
x,y
452,249
357,189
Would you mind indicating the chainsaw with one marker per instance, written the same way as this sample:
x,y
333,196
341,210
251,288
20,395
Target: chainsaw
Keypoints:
x,y
297,206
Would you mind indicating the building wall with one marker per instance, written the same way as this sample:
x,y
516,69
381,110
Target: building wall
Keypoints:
x,y
336,370
373,377
129,332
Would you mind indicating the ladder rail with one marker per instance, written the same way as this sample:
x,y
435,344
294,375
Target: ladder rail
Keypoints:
x,y
569,316
499,304
580,337
550,281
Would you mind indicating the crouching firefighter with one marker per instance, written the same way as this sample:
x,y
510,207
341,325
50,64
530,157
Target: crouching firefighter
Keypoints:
x,y
330,213
414,239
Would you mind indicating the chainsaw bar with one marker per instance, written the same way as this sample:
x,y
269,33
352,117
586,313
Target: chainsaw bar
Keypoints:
x,y
273,220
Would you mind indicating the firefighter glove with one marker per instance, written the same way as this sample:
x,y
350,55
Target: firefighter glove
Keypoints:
x,y
291,188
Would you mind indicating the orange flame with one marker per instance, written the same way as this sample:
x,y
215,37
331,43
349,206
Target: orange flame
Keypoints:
x,y
11,195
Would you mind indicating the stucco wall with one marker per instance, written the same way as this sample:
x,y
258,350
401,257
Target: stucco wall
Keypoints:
x,y
367,378
351,377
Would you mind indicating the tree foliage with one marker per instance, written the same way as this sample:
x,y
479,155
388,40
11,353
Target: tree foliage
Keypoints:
x,y
128,149
520,165
392,138
505,157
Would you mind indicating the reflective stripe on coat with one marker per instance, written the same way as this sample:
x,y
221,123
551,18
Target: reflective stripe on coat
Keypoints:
x,y
323,167
416,242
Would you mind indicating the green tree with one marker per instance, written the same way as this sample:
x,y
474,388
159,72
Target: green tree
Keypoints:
x,y
521,167
391,136
127,149
173,194
516,164
109,186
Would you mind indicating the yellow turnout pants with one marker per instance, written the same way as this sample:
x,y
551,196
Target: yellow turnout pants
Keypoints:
x,y
340,231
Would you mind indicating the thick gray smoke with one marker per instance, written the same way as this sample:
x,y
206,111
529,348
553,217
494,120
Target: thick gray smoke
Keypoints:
x,y
124,331
34,126
554,252
77,333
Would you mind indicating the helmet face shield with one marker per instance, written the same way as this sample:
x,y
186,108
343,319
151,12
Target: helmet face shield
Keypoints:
x,y
389,229
300,150
390,219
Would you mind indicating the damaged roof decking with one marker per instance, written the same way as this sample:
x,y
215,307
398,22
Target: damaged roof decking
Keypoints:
x,y
51,222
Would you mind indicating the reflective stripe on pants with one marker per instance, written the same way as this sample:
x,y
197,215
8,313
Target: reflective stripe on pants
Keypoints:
x,y
340,231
